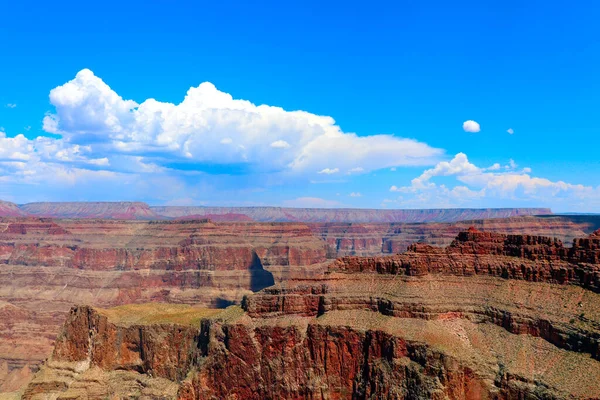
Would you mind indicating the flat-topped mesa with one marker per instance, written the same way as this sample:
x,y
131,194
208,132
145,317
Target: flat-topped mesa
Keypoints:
x,y
34,227
110,210
525,257
282,214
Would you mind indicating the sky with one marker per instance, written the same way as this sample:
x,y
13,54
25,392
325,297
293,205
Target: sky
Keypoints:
x,y
412,104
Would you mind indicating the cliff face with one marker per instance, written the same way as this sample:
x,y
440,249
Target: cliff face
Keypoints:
x,y
369,239
410,326
527,257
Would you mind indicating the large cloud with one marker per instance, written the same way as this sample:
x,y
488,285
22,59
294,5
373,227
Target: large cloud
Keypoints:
x,y
492,183
211,127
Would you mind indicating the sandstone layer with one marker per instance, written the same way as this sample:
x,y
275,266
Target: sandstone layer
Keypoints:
x,y
491,316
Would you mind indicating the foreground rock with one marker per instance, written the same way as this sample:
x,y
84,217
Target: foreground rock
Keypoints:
x,y
454,323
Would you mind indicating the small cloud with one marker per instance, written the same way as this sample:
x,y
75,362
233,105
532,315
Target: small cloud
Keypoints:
x,y
329,171
510,131
395,188
356,170
27,128
494,167
11,105
355,194
280,144
226,141
512,164
471,126
527,170
393,169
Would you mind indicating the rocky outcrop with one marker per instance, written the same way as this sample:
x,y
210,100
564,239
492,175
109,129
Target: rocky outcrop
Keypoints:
x,y
526,257
459,348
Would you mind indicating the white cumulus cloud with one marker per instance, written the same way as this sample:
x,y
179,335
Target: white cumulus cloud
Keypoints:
x,y
493,183
88,111
471,126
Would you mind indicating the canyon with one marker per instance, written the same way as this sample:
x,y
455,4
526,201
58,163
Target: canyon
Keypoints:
x,y
490,316
49,265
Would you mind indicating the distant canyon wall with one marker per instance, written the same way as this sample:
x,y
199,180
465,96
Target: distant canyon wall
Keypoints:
x,y
142,211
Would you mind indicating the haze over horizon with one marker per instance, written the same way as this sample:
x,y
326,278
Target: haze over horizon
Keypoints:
x,y
433,106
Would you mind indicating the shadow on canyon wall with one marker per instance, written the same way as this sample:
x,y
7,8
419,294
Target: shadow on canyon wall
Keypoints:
x,y
260,278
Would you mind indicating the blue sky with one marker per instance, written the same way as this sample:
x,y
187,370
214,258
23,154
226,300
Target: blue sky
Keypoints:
x,y
376,73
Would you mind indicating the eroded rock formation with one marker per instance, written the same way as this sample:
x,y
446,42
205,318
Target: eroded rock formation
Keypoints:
x,y
428,324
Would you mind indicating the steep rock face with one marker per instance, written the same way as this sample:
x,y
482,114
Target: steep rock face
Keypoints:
x,y
532,258
282,214
88,336
439,342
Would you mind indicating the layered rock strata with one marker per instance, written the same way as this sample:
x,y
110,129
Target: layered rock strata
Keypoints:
x,y
47,266
428,324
